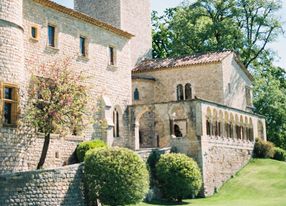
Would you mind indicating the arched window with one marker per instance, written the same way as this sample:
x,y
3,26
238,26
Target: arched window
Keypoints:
x,y
188,91
116,123
180,93
136,94
177,130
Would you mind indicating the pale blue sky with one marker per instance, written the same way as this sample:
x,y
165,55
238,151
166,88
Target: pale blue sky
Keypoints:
x,y
160,5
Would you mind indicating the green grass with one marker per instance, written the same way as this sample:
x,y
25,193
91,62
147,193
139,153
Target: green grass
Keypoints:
x,y
260,183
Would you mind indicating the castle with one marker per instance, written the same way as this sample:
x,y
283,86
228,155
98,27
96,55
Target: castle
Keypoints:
x,y
200,105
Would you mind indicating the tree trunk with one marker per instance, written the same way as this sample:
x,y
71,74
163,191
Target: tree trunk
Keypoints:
x,y
44,151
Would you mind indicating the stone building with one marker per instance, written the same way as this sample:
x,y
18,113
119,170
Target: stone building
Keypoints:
x,y
201,105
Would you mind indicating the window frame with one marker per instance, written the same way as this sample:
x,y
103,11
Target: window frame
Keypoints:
x,y
14,102
112,59
55,36
37,29
136,94
85,46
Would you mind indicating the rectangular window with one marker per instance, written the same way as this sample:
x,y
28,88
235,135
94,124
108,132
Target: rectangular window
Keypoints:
x,y
82,46
111,56
51,36
34,32
10,102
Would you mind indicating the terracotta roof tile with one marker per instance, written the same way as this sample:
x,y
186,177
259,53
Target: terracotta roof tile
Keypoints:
x,y
155,64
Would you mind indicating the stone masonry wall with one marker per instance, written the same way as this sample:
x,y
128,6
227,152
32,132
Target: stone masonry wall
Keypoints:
x,y
222,159
61,186
18,154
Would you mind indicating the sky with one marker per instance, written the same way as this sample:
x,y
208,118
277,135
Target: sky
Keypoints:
x,y
160,5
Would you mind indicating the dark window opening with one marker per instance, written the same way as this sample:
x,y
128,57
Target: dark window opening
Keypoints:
x,y
8,93
34,32
82,46
188,91
116,123
136,94
7,113
177,130
208,128
180,93
51,35
111,56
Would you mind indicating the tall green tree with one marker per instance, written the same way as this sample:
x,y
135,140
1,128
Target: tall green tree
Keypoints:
x,y
245,26
270,100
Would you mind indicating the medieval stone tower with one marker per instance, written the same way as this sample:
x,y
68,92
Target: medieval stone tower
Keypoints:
x,y
11,42
133,16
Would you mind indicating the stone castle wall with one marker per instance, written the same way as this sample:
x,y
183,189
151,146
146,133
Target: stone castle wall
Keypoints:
x,y
62,186
206,80
222,159
18,154
133,16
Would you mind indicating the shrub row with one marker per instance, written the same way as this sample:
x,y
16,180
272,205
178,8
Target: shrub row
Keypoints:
x,y
265,149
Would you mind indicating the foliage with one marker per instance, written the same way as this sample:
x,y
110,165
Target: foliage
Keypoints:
x,y
83,147
263,149
179,176
151,162
57,101
261,182
279,154
115,176
245,26
270,100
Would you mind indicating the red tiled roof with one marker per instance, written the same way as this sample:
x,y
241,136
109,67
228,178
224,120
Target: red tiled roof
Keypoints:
x,y
155,64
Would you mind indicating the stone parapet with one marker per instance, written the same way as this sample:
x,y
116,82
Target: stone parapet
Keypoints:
x,y
62,186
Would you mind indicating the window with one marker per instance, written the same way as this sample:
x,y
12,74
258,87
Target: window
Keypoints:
x,y
248,96
35,32
229,88
208,123
180,93
177,131
111,53
116,123
82,46
10,104
188,91
136,94
51,36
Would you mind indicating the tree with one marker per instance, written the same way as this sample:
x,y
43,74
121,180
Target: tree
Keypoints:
x,y
57,101
245,26
270,100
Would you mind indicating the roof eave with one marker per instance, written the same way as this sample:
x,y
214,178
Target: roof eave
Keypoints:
x,y
84,17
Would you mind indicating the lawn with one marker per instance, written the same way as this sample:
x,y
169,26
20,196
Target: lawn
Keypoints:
x,y
260,183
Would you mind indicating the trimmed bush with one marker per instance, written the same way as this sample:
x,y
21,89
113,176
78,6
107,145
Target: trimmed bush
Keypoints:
x,y
279,154
179,176
83,147
263,149
115,176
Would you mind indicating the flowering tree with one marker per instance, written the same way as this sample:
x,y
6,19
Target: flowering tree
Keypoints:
x,y
57,101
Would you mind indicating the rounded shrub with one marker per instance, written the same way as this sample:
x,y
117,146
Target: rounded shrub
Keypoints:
x,y
115,176
263,149
83,147
179,176
279,154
